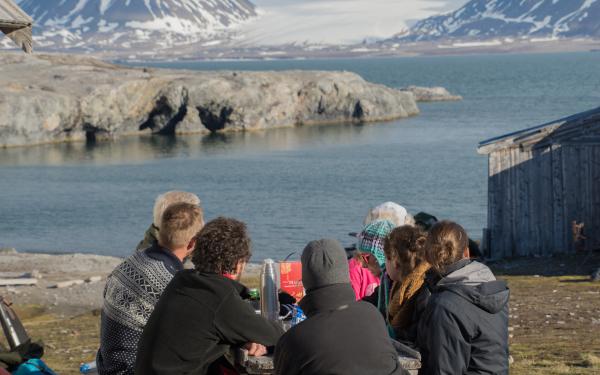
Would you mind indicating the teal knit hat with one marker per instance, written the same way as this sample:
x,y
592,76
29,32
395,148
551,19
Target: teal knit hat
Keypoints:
x,y
372,237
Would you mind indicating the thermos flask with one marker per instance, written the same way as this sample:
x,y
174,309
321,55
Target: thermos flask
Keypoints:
x,y
269,285
11,325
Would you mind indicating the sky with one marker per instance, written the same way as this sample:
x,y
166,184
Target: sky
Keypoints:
x,y
337,21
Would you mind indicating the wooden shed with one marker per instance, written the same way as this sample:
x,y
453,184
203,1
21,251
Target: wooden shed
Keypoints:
x,y
16,24
544,188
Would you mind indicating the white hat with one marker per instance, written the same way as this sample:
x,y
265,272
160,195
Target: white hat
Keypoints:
x,y
388,211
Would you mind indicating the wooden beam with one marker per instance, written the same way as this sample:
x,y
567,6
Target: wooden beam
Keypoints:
x,y
16,282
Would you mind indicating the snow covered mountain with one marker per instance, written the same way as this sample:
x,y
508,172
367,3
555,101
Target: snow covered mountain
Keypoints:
x,y
126,24
486,19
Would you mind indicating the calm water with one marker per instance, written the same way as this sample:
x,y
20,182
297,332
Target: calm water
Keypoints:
x,y
294,185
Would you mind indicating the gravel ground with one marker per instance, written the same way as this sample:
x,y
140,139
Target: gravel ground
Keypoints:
x,y
52,269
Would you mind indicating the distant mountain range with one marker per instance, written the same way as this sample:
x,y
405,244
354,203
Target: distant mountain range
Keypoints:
x,y
137,24
487,19
189,29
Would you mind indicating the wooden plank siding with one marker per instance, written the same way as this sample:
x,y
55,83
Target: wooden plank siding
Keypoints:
x,y
540,181
594,240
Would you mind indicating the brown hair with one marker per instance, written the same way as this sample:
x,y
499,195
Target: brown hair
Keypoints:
x,y
179,224
445,245
221,245
404,245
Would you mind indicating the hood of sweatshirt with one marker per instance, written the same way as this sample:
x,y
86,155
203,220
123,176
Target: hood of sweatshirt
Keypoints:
x,y
476,283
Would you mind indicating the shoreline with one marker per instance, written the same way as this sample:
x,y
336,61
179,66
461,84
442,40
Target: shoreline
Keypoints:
x,y
87,274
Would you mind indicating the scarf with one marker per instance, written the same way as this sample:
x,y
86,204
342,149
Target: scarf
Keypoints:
x,y
401,306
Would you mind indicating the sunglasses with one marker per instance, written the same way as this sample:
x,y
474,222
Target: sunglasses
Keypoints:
x,y
365,257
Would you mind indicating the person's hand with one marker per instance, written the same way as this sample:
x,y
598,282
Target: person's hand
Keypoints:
x,y
255,350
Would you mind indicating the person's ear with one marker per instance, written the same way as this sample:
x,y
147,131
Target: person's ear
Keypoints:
x,y
466,253
191,244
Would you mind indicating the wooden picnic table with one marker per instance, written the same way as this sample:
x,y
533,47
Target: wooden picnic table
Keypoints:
x,y
265,366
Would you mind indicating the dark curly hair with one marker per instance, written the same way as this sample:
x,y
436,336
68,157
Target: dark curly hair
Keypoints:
x,y
221,245
405,246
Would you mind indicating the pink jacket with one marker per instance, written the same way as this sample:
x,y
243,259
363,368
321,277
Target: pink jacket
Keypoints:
x,y
362,280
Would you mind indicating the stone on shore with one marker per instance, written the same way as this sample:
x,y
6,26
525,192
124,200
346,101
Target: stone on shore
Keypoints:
x,y
54,98
596,275
432,94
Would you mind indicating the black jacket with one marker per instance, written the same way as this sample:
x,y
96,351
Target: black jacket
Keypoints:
x,y
340,336
464,329
197,319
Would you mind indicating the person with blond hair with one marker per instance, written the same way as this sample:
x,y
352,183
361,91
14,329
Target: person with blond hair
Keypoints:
x,y
135,286
160,205
464,328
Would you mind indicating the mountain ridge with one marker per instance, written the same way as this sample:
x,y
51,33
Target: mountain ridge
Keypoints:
x,y
487,19
118,24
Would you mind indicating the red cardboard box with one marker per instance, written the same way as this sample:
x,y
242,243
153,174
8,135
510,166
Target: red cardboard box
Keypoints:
x,y
290,278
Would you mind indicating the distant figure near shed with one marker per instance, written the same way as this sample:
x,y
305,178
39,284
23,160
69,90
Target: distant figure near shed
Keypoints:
x,y
543,188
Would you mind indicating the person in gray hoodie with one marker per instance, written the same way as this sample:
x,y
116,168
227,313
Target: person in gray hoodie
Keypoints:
x,y
341,336
464,328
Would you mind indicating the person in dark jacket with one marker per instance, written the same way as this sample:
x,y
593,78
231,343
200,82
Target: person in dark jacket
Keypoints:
x,y
341,336
202,312
464,329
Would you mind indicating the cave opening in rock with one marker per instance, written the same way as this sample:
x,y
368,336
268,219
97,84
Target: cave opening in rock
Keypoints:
x,y
90,137
215,120
359,112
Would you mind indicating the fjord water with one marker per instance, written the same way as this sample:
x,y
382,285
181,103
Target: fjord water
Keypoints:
x,y
294,185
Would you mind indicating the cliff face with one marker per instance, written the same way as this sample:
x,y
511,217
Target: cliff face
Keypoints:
x,y
50,98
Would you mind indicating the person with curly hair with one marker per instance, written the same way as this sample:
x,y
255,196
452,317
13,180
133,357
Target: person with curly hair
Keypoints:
x,y
203,311
406,266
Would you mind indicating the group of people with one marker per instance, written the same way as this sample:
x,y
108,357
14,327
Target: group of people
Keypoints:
x,y
411,280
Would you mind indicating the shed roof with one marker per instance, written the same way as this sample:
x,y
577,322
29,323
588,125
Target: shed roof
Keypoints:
x,y
538,136
16,24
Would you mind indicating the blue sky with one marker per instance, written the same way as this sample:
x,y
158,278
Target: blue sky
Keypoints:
x,y
338,21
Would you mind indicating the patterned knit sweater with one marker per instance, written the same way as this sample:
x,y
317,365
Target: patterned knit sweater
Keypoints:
x,y
132,290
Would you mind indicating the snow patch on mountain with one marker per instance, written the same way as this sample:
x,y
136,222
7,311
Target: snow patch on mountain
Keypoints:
x,y
120,24
485,19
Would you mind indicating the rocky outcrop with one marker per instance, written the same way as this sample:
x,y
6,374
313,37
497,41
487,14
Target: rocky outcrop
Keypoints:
x,y
53,98
432,94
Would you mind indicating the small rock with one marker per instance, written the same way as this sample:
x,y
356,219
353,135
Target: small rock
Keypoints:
x,y
8,251
511,360
560,322
36,274
431,94
596,275
93,279
67,284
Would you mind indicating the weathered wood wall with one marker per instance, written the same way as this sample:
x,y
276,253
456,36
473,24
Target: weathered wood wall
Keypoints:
x,y
536,193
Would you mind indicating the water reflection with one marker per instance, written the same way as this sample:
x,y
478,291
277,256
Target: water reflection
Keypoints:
x,y
139,149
